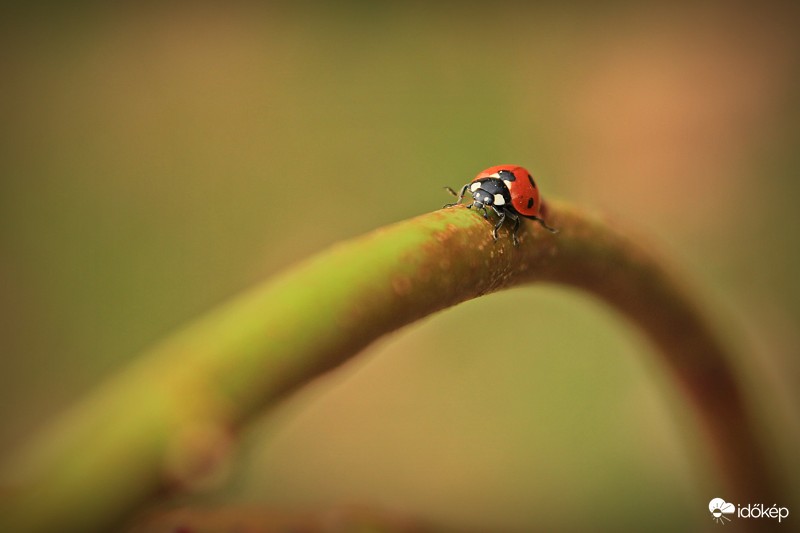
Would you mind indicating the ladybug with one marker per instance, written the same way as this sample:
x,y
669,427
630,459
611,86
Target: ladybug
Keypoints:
x,y
510,191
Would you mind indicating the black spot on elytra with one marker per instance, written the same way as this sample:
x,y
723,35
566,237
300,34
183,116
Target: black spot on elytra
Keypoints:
x,y
530,178
505,175
530,202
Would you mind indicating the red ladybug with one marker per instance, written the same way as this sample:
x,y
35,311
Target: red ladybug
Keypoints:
x,y
510,191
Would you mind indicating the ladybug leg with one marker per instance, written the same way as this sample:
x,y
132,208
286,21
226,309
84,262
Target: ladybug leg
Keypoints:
x,y
514,232
458,195
545,226
505,213
502,214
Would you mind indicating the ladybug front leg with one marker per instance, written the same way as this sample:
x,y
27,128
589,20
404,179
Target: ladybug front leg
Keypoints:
x,y
459,195
502,214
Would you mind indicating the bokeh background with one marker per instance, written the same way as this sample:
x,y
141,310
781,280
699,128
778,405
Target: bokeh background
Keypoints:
x,y
156,160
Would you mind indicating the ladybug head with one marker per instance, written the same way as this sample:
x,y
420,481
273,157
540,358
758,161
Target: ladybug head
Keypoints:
x,y
482,198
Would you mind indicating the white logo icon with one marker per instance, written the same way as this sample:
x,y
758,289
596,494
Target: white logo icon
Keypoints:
x,y
719,508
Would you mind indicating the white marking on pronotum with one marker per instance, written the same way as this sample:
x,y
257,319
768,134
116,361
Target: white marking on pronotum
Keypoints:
x,y
508,183
496,175
475,186
499,200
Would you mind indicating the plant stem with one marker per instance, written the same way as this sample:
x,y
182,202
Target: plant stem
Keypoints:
x,y
172,414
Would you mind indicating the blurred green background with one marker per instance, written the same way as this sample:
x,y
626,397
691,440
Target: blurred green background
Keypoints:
x,y
155,160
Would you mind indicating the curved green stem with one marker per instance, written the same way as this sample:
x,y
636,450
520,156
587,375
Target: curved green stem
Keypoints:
x,y
168,416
